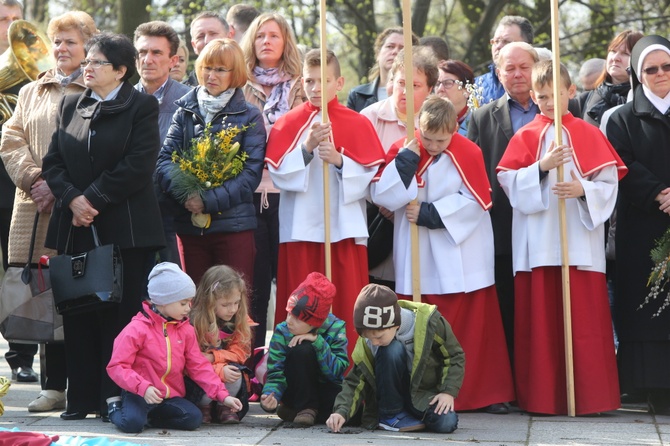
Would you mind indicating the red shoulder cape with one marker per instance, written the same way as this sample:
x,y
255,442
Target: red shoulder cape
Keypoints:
x,y
591,149
466,156
352,134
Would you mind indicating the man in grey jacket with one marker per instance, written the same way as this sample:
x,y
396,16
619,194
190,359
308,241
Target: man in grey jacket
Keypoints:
x,y
157,43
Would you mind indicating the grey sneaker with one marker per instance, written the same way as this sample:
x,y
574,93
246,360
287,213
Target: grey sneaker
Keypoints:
x,y
48,400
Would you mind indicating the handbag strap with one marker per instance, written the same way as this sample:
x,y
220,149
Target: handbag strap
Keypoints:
x,y
26,274
96,240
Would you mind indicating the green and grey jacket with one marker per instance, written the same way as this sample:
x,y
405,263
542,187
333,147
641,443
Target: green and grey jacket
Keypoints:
x,y
438,367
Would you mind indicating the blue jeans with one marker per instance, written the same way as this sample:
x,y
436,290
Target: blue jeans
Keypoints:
x,y
393,390
172,413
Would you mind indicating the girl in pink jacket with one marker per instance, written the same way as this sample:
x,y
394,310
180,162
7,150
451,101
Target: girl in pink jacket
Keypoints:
x,y
153,353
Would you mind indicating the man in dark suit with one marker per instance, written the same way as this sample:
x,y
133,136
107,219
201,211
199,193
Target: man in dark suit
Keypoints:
x,y
491,128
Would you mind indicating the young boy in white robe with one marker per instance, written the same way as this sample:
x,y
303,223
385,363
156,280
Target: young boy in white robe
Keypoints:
x,y
528,174
444,172
298,147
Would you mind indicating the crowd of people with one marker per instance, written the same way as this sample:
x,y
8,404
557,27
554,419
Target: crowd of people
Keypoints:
x,y
477,172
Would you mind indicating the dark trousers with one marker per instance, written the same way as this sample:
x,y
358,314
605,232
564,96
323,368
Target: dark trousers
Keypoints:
x,y
235,249
266,237
55,363
172,413
20,355
89,338
504,276
393,390
305,389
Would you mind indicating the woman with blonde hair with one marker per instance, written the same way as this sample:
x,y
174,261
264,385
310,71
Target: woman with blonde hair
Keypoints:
x,y
274,64
218,103
25,141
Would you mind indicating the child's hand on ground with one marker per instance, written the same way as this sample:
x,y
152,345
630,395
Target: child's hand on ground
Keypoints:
x,y
317,132
232,402
555,156
231,373
268,402
329,154
335,422
569,189
412,212
664,200
443,403
297,339
413,145
153,396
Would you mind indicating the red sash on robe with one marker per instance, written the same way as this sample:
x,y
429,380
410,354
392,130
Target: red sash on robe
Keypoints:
x,y
591,149
352,134
466,156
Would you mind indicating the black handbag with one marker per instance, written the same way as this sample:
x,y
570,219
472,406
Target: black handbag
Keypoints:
x,y
380,240
87,280
27,312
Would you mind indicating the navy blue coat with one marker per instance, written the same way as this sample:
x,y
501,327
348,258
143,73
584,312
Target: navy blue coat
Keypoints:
x,y
230,205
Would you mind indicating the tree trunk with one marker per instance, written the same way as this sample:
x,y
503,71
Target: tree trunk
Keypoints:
x,y
132,13
36,11
420,16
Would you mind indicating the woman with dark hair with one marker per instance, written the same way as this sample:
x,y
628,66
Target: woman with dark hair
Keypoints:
x,y
454,76
640,132
613,85
387,46
99,167
217,102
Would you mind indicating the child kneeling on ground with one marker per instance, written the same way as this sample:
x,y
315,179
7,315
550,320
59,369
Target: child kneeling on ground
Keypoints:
x,y
152,354
308,356
398,391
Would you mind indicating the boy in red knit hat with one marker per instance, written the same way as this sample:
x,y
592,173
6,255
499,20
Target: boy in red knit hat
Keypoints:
x,y
308,356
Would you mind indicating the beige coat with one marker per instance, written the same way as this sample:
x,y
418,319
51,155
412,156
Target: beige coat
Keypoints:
x,y
25,140
254,94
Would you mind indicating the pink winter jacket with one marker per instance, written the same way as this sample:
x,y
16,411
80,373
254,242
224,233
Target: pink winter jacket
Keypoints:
x,y
150,351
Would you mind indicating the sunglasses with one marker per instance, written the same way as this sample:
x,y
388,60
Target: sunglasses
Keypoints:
x,y
653,70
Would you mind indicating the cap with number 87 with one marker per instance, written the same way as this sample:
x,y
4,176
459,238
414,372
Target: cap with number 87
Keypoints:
x,y
376,308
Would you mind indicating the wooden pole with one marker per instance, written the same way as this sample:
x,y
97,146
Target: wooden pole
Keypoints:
x,y
324,119
565,261
409,100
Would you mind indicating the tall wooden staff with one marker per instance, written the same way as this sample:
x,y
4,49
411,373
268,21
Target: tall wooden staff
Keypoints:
x,y
409,101
324,120
562,221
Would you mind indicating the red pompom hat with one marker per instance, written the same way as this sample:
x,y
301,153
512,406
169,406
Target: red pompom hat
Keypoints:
x,y
312,299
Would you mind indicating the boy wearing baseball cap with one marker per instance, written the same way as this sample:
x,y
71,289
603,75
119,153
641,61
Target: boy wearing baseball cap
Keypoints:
x,y
153,353
408,366
308,356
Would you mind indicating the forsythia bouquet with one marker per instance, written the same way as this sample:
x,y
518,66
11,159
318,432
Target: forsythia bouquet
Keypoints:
x,y
660,273
210,160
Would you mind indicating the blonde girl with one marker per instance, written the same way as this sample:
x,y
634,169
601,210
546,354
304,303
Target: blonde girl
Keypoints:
x,y
222,326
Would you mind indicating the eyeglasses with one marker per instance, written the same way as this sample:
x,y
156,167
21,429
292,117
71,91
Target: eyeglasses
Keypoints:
x,y
499,41
216,70
94,63
653,70
447,83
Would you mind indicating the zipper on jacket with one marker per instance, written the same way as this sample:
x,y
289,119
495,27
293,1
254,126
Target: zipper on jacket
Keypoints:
x,y
169,361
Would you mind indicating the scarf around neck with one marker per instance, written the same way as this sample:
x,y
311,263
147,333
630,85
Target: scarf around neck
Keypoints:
x,y
210,105
276,104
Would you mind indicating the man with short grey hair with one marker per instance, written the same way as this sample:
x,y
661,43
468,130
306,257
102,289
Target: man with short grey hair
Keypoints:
x,y
205,27
511,28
